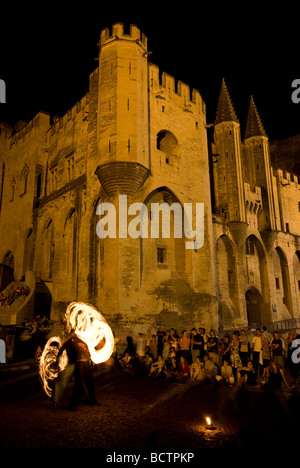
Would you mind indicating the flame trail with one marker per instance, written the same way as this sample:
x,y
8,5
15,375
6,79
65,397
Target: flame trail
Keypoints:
x,y
91,327
49,368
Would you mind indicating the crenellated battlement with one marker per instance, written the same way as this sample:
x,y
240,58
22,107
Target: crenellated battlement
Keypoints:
x,y
286,178
40,119
118,33
253,198
60,122
164,86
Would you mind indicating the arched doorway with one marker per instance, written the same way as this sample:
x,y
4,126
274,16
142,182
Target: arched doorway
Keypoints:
x,y
258,300
253,303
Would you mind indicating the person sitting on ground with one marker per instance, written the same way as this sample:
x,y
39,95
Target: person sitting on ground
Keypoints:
x,y
171,368
196,370
125,363
172,353
226,376
183,369
210,367
157,367
246,375
145,363
276,376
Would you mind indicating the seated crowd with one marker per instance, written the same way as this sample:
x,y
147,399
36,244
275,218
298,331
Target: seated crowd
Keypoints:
x,y
240,358
7,301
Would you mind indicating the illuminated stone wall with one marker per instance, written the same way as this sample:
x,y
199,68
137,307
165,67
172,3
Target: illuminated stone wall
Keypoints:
x,y
140,133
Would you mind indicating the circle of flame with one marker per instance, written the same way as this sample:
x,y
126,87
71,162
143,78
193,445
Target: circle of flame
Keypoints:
x,y
91,327
49,367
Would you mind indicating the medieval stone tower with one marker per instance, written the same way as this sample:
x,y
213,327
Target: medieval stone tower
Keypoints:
x,y
151,147
139,139
257,255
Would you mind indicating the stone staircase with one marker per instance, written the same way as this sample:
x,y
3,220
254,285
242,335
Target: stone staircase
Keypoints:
x,y
21,307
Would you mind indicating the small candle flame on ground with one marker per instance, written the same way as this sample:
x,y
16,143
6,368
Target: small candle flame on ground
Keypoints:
x,y
209,424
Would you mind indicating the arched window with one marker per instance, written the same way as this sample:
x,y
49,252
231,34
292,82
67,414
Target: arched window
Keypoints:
x,y
24,179
46,254
168,144
12,186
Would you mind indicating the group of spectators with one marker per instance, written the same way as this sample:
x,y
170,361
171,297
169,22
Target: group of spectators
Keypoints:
x,y
245,357
7,301
29,327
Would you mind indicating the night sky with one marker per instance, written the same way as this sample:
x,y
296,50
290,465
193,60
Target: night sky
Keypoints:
x,y
46,55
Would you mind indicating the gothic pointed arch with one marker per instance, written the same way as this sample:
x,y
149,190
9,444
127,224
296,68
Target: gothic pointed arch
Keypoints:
x,y
44,264
167,252
28,251
257,279
96,254
282,284
69,251
167,143
24,179
254,303
227,280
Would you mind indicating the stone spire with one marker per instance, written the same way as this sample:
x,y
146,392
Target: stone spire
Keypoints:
x,y
225,110
254,126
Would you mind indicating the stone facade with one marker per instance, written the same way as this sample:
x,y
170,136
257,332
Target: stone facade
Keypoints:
x,y
137,132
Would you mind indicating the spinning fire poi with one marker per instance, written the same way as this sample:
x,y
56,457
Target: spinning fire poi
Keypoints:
x,y
91,327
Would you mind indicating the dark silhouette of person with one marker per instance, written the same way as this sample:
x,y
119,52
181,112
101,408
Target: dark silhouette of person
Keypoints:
x,y
78,352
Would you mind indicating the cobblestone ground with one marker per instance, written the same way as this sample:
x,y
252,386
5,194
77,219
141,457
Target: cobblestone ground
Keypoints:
x,y
146,413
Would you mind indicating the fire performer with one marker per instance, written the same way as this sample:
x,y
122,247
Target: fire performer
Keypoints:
x,y
65,376
90,341
79,353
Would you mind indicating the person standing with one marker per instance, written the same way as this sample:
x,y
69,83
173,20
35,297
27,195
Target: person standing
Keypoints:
x,y
83,373
197,344
257,350
65,376
250,342
184,344
235,358
266,354
205,340
140,345
277,349
153,347
244,352
160,336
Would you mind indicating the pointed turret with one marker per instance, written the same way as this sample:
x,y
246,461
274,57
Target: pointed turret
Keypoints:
x,y
254,126
259,171
228,177
225,110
